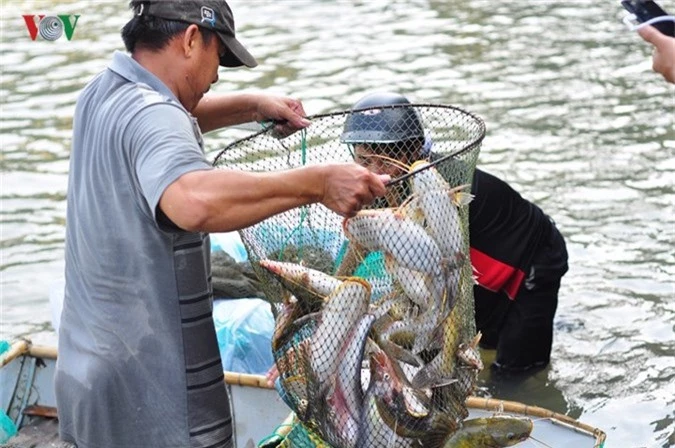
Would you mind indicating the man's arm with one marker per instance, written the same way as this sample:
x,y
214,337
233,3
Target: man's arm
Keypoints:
x,y
218,111
224,200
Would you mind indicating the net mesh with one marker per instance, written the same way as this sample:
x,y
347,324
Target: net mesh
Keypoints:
x,y
374,318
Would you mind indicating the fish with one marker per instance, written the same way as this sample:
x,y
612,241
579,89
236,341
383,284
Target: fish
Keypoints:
x,y
291,360
486,432
383,386
344,397
289,320
343,309
443,364
469,366
409,422
309,286
469,354
440,204
364,229
416,285
404,410
394,234
399,353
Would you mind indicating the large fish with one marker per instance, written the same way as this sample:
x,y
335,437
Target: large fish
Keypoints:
x,y
440,205
417,286
383,386
344,398
394,234
488,432
343,309
307,285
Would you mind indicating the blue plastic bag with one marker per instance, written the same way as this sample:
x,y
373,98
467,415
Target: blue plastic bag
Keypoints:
x,y
244,329
7,428
231,243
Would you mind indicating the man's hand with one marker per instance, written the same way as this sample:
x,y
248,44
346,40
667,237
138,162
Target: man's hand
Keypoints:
x,y
349,187
288,112
663,59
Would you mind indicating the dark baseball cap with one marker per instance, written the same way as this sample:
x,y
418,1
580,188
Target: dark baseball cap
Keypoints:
x,y
214,15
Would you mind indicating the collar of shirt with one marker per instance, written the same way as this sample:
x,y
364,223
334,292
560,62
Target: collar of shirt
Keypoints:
x,y
128,68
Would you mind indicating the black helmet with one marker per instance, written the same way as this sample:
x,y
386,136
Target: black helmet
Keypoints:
x,y
382,121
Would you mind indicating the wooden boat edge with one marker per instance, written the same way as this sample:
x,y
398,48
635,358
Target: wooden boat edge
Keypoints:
x,y
25,347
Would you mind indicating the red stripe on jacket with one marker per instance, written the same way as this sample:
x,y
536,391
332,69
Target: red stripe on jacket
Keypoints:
x,y
494,275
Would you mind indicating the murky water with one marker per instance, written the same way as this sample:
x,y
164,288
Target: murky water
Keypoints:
x,y
576,121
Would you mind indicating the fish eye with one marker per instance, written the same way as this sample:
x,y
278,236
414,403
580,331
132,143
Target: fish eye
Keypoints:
x,y
511,436
386,377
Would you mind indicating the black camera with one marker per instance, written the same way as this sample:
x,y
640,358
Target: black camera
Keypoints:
x,y
645,10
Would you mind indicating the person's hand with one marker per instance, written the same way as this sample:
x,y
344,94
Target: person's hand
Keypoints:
x,y
349,187
288,112
663,59
272,375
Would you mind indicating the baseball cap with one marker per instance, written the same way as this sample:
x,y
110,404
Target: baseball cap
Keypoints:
x,y
214,15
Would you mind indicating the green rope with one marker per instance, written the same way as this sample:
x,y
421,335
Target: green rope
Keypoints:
x,y
275,439
304,209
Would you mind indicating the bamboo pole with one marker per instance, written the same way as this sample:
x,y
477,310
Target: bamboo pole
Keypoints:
x,y
42,351
495,405
247,379
17,349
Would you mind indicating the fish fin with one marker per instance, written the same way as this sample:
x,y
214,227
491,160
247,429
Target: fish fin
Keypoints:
x,y
476,340
462,199
354,254
442,427
424,377
382,323
429,380
399,353
442,381
459,197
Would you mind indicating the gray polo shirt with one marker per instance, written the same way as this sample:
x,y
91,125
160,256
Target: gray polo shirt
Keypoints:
x,y
138,362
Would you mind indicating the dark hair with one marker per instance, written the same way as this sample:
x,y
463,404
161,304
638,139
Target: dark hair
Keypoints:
x,y
153,33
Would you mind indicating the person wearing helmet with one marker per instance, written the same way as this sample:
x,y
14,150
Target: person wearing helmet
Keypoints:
x,y
518,254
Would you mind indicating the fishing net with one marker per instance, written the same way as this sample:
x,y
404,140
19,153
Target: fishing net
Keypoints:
x,y
374,318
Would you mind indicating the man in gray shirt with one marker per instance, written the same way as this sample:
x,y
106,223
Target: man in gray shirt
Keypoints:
x,y
138,363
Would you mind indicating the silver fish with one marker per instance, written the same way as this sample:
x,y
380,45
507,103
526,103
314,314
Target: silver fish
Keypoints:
x,y
395,234
344,307
304,283
345,396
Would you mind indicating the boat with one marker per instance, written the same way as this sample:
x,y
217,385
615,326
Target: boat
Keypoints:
x,y
28,399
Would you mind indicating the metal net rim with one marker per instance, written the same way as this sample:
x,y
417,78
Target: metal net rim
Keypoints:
x,y
472,144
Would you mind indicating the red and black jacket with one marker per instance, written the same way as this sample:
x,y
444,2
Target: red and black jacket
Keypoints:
x,y
505,233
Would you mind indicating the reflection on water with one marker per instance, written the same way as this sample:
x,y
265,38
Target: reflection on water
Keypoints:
x,y
576,121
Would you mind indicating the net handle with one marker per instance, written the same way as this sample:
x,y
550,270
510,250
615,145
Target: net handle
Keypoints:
x,y
460,151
